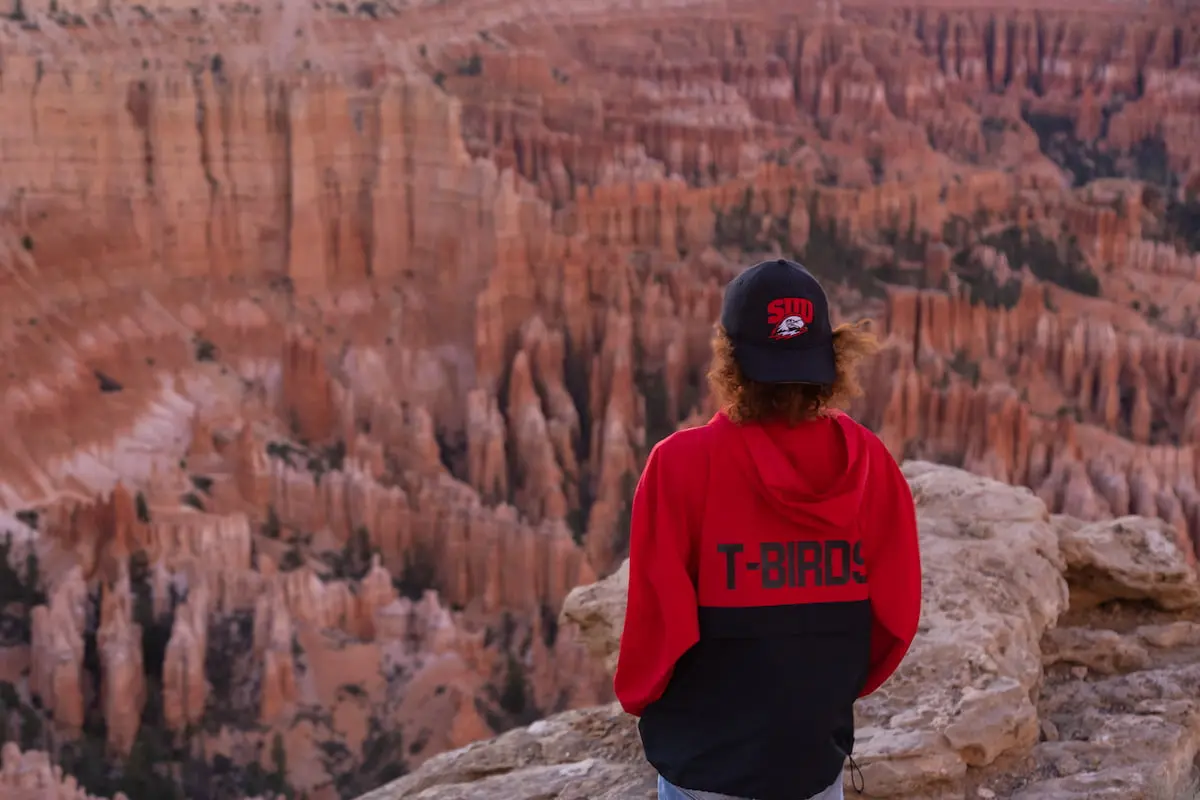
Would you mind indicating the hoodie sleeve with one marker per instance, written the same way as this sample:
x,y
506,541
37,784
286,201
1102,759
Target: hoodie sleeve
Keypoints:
x,y
893,562
660,618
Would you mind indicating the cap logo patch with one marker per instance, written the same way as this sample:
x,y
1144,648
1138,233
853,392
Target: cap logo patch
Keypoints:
x,y
789,316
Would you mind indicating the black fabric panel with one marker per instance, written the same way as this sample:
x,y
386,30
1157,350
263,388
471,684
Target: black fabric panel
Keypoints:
x,y
763,706
757,622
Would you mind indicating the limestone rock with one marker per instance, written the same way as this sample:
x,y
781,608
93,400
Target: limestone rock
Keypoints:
x,y
1130,558
965,693
598,611
1103,652
123,682
57,652
1127,736
577,755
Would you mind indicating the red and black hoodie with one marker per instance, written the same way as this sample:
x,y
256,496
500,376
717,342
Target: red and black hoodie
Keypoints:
x,y
774,578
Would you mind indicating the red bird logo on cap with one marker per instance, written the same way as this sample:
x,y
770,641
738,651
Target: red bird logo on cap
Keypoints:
x,y
789,316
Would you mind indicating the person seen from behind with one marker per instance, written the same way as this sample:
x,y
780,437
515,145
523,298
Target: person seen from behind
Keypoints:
x,y
774,570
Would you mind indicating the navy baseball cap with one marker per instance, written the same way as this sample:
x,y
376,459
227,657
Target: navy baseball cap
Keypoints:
x,y
777,316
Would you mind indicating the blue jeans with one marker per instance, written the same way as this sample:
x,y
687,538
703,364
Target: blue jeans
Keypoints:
x,y
668,791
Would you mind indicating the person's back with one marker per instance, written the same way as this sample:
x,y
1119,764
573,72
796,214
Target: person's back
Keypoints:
x,y
774,570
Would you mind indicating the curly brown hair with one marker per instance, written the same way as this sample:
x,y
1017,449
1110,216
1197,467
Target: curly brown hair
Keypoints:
x,y
744,400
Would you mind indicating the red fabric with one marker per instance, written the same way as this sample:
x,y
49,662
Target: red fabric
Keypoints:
x,y
893,568
660,618
830,480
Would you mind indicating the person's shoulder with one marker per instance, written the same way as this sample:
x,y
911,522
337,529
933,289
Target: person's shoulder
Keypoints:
x,y
684,440
681,461
869,441
856,428
684,444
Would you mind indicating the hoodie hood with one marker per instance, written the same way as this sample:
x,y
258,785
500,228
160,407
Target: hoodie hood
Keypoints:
x,y
814,472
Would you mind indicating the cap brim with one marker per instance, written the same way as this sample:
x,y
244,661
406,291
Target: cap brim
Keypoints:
x,y
776,365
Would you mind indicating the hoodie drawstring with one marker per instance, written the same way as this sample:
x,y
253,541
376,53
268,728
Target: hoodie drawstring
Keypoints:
x,y
855,772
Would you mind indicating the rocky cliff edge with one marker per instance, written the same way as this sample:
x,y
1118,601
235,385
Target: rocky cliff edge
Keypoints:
x,y
1052,662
